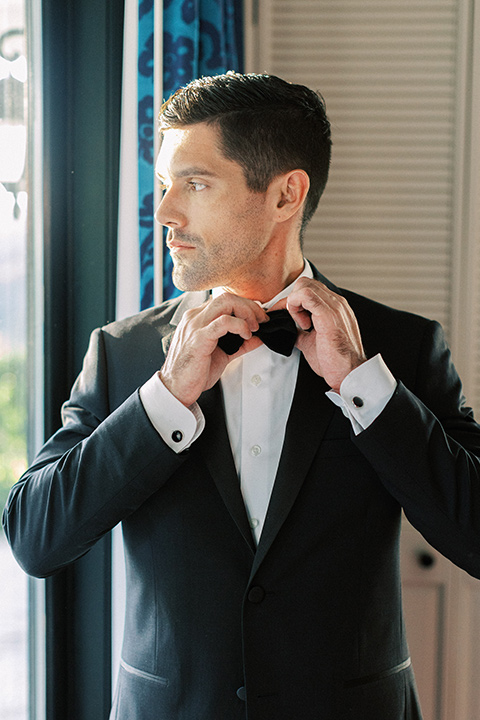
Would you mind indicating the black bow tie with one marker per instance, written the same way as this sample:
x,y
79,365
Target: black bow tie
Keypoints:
x,y
279,334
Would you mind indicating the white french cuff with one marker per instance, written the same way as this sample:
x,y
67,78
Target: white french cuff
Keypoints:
x,y
177,425
365,392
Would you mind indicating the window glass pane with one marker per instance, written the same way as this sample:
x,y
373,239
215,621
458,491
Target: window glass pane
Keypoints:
x,y
14,259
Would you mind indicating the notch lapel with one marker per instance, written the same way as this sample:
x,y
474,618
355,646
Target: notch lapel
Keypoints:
x,y
217,454
309,417
188,301
214,443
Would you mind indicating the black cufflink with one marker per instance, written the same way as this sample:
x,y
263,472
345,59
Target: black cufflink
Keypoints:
x,y
357,401
177,436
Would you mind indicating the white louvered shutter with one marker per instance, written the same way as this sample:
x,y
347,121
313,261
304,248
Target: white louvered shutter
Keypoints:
x,y
393,74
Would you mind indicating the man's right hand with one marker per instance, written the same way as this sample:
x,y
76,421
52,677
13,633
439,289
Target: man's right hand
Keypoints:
x,y
194,361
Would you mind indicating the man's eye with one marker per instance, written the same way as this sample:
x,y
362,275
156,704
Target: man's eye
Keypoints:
x,y
197,186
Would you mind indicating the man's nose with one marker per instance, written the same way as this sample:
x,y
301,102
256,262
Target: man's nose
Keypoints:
x,y
169,212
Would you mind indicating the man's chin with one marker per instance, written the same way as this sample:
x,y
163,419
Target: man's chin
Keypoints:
x,y
188,282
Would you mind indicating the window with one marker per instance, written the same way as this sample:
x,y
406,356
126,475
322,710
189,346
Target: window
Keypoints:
x,y
20,326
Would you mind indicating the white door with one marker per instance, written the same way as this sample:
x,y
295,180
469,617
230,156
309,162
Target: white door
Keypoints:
x,y
427,591
400,222
442,614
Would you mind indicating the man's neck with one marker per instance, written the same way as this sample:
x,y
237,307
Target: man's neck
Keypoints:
x,y
266,286
278,290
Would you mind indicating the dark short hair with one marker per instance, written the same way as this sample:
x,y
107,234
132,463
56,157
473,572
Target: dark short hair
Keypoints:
x,y
267,125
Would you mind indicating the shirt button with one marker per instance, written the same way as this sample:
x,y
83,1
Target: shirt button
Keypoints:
x,y
357,401
177,436
253,523
256,380
255,450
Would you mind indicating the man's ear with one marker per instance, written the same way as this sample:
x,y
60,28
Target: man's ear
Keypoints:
x,y
290,192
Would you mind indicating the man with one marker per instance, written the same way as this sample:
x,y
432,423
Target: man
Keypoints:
x,y
260,493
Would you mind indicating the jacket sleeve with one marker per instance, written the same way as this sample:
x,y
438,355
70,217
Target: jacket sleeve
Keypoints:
x,y
425,447
95,471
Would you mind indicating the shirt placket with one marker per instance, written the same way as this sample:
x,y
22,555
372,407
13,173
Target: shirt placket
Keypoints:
x,y
256,474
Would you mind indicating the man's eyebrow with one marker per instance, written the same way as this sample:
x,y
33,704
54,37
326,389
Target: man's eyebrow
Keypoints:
x,y
190,172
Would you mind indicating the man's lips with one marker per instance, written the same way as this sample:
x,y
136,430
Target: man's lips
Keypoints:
x,y
176,245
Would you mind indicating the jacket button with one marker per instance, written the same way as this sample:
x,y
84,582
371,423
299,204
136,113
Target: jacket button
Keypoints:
x,y
256,594
241,693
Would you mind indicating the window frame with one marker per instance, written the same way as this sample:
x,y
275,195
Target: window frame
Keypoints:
x,y
82,74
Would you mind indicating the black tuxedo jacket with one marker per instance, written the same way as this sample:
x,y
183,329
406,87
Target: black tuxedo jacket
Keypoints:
x,y
308,626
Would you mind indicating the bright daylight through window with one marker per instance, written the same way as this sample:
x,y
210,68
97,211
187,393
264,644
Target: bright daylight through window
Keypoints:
x,y
15,346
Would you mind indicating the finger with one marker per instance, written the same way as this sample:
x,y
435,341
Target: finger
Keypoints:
x,y
301,315
313,290
308,298
235,346
280,305
229,324
246,347
321,302
230,304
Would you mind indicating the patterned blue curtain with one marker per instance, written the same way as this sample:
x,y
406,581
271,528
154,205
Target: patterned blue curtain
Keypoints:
x,y
200,37
146,128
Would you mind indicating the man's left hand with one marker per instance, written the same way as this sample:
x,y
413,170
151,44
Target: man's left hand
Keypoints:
x,y
329,336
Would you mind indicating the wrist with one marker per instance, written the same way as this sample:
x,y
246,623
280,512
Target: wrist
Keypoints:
x,y
184,394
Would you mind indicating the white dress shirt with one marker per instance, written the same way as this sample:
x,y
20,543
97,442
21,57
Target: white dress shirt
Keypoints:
x,y
258,390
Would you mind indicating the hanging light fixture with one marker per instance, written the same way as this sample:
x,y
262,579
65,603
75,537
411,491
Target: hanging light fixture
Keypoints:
x,y
13,131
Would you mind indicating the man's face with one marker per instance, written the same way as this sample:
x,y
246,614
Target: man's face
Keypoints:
x,y
217,227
